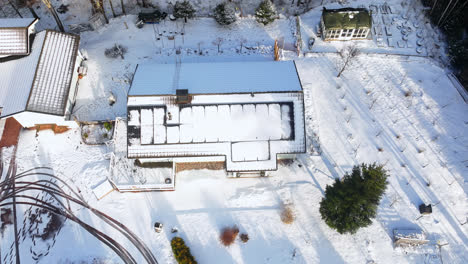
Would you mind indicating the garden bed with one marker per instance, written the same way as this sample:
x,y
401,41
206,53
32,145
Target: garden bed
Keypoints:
x,y
97,133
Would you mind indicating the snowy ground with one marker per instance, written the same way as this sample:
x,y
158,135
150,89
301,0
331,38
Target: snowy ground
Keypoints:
x,y
401,111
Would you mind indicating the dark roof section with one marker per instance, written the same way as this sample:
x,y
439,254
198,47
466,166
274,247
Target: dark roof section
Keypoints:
x,y
346,18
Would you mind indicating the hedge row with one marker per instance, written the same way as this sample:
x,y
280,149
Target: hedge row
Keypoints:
x,y
181,251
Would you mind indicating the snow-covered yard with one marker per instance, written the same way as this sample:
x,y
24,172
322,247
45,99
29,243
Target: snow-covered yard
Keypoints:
x,y
400,111
420,137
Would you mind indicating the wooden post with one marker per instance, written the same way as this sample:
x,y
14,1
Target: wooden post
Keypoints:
x,y
277,57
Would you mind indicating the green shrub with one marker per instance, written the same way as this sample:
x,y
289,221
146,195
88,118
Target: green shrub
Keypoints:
x,y
108,126
266,12
181,251
224,14
351,203
85,135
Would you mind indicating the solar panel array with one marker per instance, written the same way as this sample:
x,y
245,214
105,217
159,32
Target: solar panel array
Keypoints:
x,y
13,41
54,74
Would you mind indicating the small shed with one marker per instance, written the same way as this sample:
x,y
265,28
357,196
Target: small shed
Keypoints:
x,y
15,35
345,23
409,237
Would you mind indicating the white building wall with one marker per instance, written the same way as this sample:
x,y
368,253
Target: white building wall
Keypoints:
x,y
73,88
30,119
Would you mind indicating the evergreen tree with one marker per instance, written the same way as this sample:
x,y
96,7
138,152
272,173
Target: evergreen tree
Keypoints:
x,y
351,203
224,14
266,12
184,10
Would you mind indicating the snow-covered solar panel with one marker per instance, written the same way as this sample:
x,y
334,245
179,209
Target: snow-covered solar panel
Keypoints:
x,y
14,41
54,74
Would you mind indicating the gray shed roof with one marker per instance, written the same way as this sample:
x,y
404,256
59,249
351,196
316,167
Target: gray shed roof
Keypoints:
x,y
216,78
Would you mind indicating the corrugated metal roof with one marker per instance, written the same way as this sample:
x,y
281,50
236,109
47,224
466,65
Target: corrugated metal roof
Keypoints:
x,y
216,78
54,73
16,78
14,41
16,22
44,76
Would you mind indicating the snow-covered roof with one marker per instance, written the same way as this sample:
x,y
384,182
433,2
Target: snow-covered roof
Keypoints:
x,y
215,78
248,130
41,81
14,36
16,22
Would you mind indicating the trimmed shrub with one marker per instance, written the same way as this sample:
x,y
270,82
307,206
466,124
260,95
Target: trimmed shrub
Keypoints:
x,y
224,14
244,237
266,12
85,135
287,215
184,10
182,252
228,235
108,126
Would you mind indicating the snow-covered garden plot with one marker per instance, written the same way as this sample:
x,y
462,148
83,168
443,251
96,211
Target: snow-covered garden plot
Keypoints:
x,y
97,132
397,28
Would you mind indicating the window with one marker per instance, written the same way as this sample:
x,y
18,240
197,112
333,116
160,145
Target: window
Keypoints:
x,y
350,32
357,33
343,33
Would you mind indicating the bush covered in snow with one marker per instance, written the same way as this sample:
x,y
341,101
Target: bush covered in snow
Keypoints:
x,y
351,203
266,12
184,10
228,235
224,14
116,51
182,252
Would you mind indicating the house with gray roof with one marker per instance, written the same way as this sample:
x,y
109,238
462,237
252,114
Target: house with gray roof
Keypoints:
x,y
38,84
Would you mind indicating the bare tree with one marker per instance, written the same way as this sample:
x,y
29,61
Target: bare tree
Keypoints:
x,y
199,47
347,54
242,41
112,8
122,5
15,8
217,42
29,4
54,14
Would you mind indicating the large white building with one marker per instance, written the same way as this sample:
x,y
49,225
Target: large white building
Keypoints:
x,y
38,73
246,114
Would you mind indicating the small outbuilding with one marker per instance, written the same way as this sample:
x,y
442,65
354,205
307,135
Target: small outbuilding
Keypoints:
x,y
15,36
345,23
38,74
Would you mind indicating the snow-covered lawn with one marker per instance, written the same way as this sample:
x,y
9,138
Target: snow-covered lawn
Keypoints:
x,y
420,137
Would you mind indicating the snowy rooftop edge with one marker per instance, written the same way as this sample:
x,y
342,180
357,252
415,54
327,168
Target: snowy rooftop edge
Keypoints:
x,y
216,78
16,22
